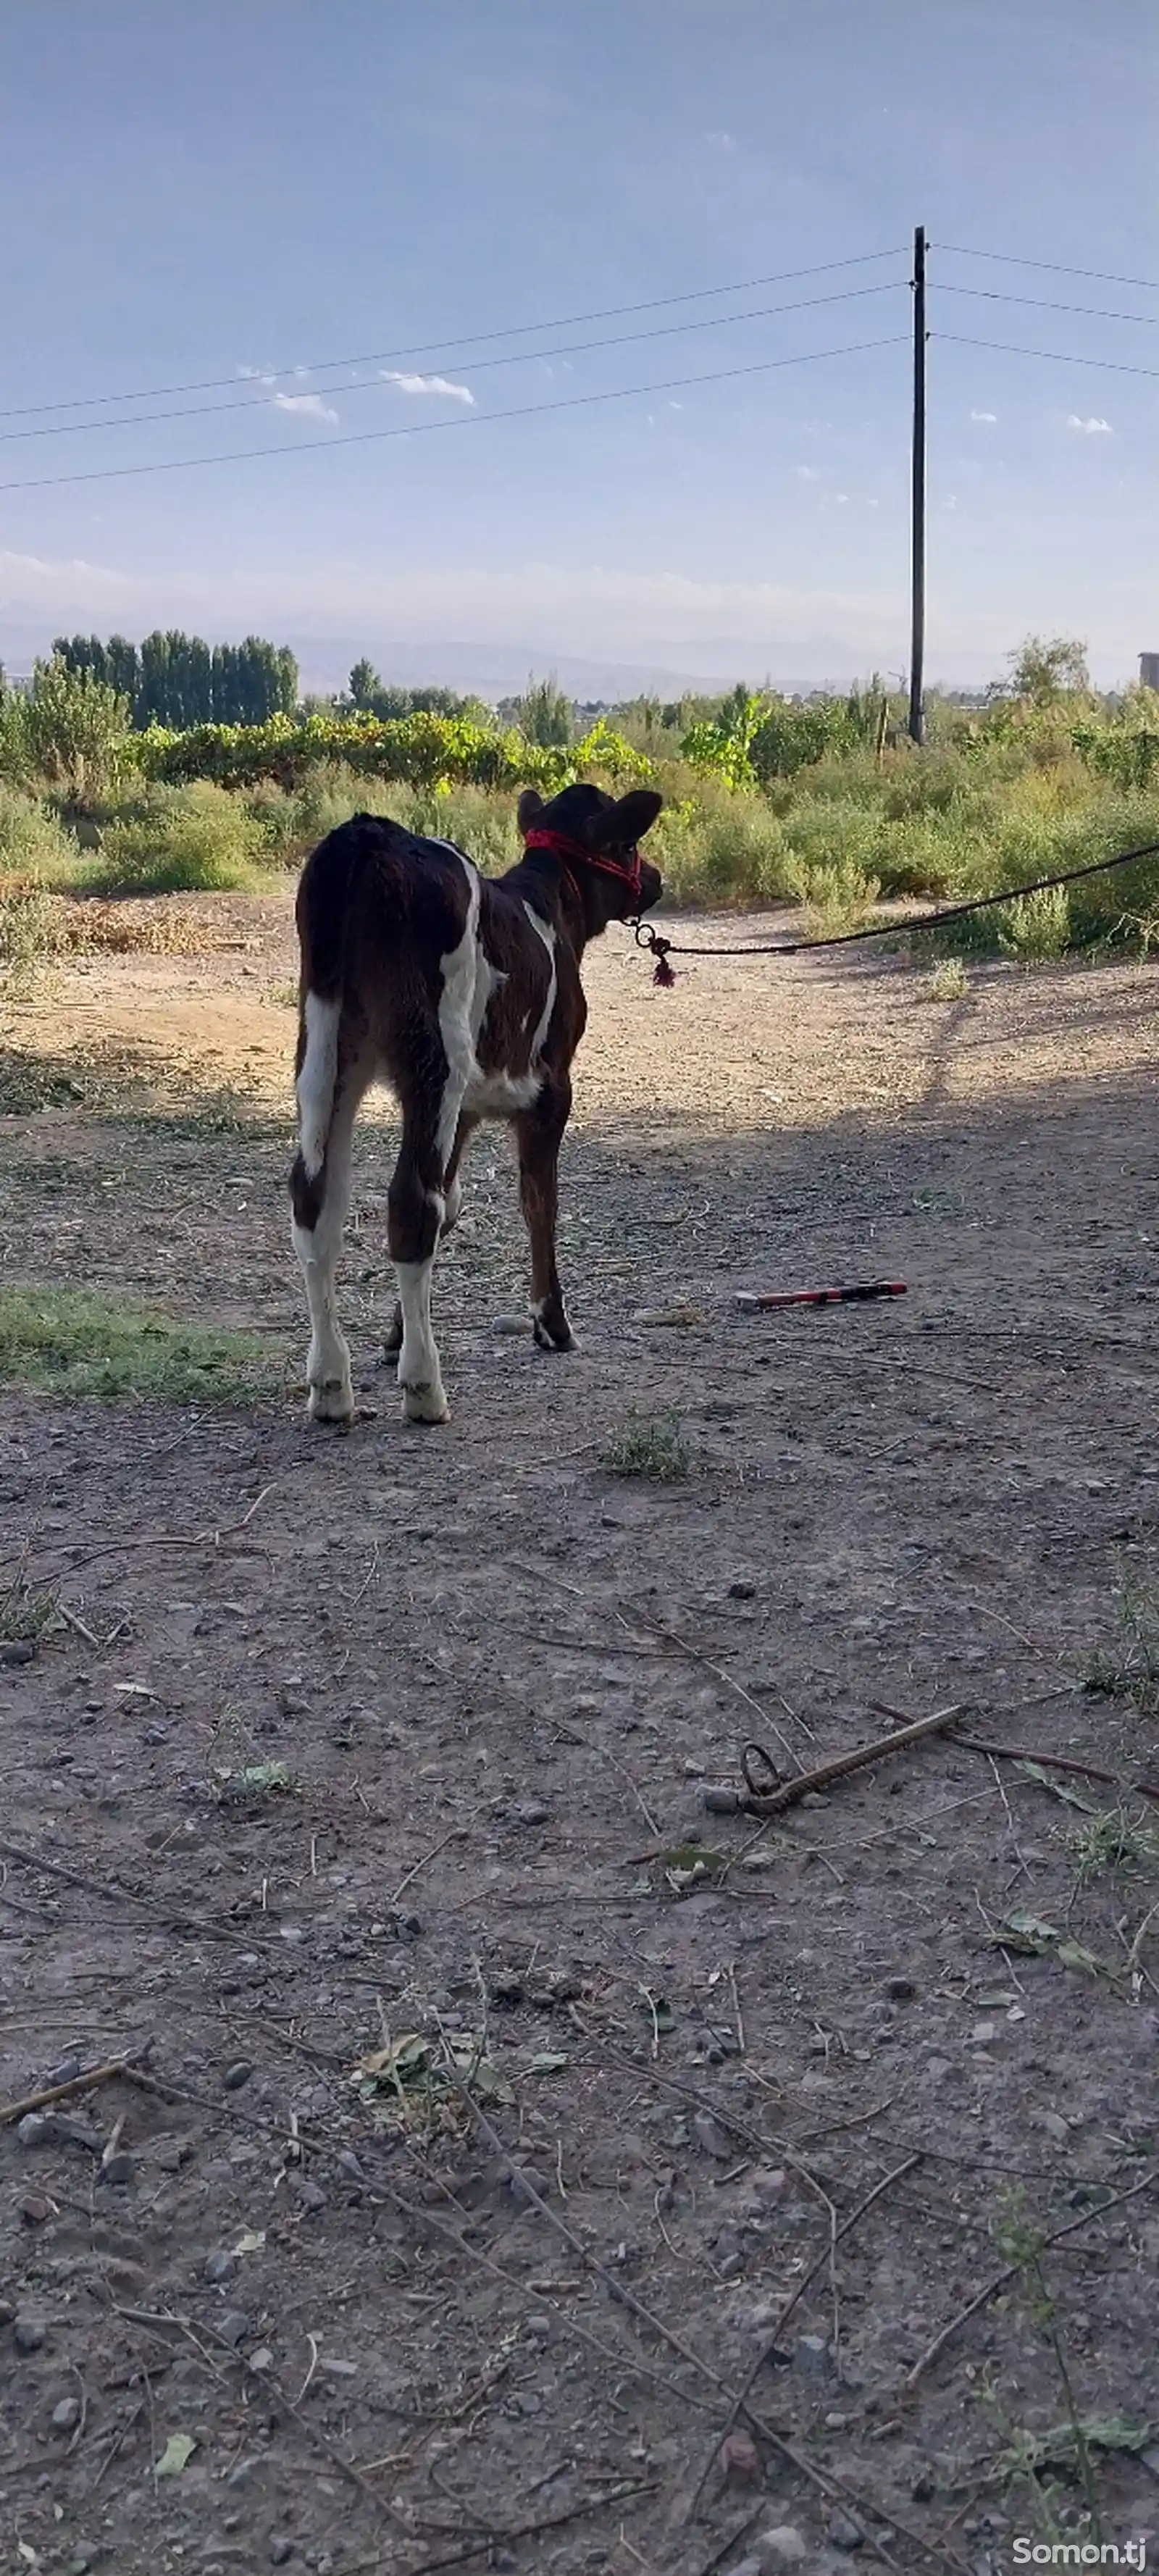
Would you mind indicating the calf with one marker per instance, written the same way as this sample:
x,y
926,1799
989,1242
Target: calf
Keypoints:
x,y
464,994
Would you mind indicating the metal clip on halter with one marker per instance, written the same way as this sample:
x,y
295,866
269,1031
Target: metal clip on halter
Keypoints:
x,y
656,944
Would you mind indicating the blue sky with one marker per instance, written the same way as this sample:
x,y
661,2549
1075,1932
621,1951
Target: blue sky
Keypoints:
x,y
219,192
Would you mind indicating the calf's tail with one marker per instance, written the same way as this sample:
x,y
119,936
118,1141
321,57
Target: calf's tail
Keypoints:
x,y
324,913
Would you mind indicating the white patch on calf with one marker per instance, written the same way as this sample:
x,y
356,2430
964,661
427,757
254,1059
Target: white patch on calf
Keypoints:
x,y
328,1363
316,1080
468,983
546,932
419,1374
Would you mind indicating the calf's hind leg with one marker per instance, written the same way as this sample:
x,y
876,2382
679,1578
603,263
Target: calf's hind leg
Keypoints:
x,y
539,1133
321,1201
417,1208
392,1342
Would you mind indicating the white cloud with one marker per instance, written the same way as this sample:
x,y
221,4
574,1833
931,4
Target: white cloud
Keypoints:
x,y
258,375
1092,428
990,416
808,474
720,141
311,404
409,384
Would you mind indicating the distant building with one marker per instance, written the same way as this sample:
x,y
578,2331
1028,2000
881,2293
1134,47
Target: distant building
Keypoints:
x,y
1149,670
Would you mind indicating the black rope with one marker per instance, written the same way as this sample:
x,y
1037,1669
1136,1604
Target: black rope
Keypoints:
x,y
647,936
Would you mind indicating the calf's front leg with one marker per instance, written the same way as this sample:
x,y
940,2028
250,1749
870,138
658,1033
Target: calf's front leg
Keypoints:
x,y
539,1133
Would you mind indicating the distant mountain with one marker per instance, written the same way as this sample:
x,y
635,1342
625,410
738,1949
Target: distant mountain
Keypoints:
x,y
492,671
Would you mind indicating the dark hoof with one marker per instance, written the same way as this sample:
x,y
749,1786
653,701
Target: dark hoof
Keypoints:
x,y
552,1333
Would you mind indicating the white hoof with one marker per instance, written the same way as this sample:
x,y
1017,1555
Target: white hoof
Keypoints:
x,y
425,1402
332,1401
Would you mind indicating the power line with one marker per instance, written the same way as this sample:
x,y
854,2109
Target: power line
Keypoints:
x,y
1059,268
512,358
458,420
1041,303
478,339
1013,349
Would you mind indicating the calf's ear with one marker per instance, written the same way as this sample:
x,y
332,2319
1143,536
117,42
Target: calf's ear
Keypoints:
x,y
635,814
529,809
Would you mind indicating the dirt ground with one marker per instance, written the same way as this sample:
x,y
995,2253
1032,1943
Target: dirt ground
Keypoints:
x,y
722,2149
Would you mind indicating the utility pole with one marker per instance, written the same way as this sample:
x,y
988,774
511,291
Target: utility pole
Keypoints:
x,y
918,537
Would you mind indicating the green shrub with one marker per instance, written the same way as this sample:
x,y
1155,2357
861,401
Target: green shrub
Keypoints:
x,y
193,840
33,842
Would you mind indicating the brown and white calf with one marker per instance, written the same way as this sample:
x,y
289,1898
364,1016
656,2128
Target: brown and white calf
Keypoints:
x,y
464,994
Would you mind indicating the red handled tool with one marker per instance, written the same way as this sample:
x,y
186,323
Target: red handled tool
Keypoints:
x,y
755,1302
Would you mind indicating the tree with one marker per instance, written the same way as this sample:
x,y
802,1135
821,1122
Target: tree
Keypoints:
x,y
364,686
545,714
71,731
1045,669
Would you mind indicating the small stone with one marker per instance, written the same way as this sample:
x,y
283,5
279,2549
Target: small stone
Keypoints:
x,y
812,2352
900,1990
28,2334
348,2165
740,2458
66,2416
691,1768
781,2547
239,2074
747,2567
509,1324
533,1813
120,2167
845,2533
233,2327
71,2132
220,2267
170,2154
291,1932
262,2359
742,1589
35,2209
720,1801
281,2550
710,2137
66,2073
522,2180
34,2130
18,1650
311,2196
768,2182
506,1992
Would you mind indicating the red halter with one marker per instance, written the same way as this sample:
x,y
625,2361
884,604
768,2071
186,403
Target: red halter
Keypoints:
x,y
564,849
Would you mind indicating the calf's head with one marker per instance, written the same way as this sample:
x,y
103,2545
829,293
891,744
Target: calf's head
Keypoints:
x,y
596,839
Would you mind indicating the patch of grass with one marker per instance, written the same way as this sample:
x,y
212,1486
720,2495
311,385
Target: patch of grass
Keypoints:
x,y
25,1614
410,2084
1127,1667
1110,1841
652,1446
949,982
81,1343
